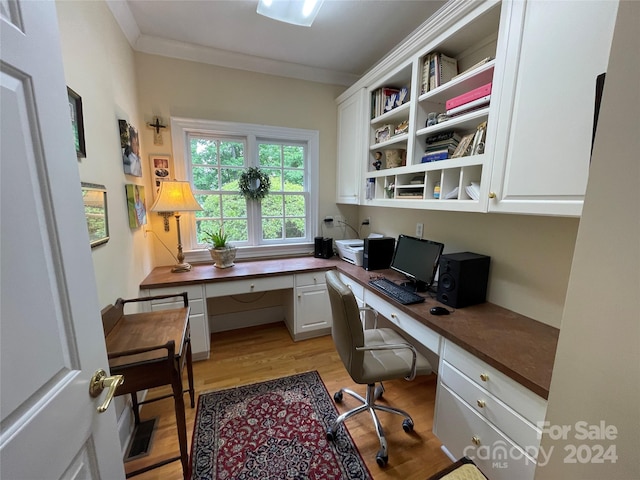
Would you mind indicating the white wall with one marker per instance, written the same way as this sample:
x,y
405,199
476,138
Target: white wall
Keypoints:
x,y
170,87
99,66
596,377
530,255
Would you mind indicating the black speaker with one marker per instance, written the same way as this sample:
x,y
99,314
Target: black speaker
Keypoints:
x,y
323,247
463,279
378,253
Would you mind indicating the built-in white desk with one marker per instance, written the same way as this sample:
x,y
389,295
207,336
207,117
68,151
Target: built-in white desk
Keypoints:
x,y
495,365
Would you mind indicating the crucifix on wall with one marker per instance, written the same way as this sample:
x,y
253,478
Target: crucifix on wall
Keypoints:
x,y
157,130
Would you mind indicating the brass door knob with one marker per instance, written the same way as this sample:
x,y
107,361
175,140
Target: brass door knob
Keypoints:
x,y
99,381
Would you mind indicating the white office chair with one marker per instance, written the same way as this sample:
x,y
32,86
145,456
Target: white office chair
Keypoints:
x,y
370,356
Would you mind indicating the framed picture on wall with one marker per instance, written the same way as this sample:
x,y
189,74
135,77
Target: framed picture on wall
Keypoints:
x,y
77,122
136,207
161,169
94,197
130,146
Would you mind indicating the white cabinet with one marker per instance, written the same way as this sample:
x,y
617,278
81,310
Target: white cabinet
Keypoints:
x,y
350,148
545,121
311,307
534,158
200,339
487,416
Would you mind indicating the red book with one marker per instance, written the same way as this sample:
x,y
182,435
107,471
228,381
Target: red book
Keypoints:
x,y
470,96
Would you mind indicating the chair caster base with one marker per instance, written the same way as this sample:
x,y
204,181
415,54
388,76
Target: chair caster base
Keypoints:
x,y
407,425
331,434
382,459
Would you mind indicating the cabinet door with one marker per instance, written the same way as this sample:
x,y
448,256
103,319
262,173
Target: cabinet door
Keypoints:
x,y
545,122
313,310
351,148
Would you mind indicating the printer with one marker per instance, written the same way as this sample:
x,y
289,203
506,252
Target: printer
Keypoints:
x,y
351,250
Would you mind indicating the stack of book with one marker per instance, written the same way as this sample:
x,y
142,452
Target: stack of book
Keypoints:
x,y
471,100
385,99
437,69
440,146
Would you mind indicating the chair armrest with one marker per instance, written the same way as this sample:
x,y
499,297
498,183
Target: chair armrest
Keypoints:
x,y
184,296
396,346
375,315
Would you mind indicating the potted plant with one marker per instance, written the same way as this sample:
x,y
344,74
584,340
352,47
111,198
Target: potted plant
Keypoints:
x,y
222,253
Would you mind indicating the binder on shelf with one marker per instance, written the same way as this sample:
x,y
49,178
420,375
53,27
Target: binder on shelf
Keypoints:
x,y
469,96
480,102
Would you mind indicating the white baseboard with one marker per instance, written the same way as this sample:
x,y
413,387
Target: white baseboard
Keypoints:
x,y
126,422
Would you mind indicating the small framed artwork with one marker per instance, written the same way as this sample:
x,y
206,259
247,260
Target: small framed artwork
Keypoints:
x,y
77,122
161,169
135,205
94,197
384,133
130,145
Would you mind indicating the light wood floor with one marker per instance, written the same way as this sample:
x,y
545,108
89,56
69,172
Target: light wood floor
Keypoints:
x,y
256,354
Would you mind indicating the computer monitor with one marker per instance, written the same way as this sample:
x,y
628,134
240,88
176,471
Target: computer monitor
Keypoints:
x,y
417,259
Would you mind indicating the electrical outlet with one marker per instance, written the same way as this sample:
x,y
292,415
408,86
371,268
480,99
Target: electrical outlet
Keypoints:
x,y
366,221
419,229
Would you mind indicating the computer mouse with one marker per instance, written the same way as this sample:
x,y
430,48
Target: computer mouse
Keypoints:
x,y
439,311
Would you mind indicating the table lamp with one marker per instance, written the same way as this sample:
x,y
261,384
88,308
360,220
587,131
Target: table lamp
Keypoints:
x,y
175,197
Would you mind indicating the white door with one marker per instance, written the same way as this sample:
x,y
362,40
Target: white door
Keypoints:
x,y
50,328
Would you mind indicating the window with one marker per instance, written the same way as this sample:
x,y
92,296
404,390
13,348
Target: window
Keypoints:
x,y
215,154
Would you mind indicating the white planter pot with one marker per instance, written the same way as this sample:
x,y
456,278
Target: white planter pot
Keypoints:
x,y
223,257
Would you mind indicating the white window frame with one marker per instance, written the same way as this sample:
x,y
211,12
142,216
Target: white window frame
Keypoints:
x,y
181,128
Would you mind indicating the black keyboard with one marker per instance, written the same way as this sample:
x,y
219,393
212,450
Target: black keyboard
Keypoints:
x,y
399,294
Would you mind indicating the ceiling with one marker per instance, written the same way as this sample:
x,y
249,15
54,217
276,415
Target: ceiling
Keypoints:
x,y
347,38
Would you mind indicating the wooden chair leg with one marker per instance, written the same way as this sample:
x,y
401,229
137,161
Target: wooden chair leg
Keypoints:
x,y
190,375
181,422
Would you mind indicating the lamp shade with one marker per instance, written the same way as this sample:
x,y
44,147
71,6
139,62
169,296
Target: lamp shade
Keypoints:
x,y
175,196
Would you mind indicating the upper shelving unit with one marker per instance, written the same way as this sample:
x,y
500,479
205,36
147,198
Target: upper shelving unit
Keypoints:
x,y
419,148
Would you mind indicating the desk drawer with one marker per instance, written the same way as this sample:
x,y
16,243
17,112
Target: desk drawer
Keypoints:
x,y
417,330
491,408
196,306
464,432
237,287
193,292
310,278
518,397
356,288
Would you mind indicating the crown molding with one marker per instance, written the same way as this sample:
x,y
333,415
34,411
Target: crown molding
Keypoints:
x,y
222,58
239,61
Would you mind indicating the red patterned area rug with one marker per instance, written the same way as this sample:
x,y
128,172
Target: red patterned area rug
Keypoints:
x,y
272,430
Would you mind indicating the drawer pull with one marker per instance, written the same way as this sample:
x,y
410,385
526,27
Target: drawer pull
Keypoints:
x,y
481,403
484,377
393,315
475,440
252,286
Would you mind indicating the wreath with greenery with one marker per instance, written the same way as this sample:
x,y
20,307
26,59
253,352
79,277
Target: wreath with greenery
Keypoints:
x,y
254,184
